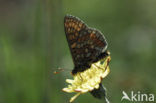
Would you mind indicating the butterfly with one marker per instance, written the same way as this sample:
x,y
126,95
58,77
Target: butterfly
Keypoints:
x,y
87,45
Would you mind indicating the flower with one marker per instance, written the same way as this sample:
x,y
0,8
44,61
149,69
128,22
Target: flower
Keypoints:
x,y
89,79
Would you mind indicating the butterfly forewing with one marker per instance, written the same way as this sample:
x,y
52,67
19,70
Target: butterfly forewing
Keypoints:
x,y
86,44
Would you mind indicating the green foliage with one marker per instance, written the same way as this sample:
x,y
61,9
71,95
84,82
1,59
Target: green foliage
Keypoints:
x,y
33,45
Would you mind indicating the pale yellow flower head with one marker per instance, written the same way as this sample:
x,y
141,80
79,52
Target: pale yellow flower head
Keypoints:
x,y
89,79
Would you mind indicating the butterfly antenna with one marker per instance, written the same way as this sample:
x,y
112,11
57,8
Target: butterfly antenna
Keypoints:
x,y
59,70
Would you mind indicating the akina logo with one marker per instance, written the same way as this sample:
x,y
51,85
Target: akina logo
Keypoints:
x,y
138,96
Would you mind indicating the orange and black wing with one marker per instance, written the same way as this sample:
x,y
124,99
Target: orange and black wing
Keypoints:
x,y
87,45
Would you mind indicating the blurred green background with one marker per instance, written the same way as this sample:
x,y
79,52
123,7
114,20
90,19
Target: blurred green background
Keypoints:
x,y
33,46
